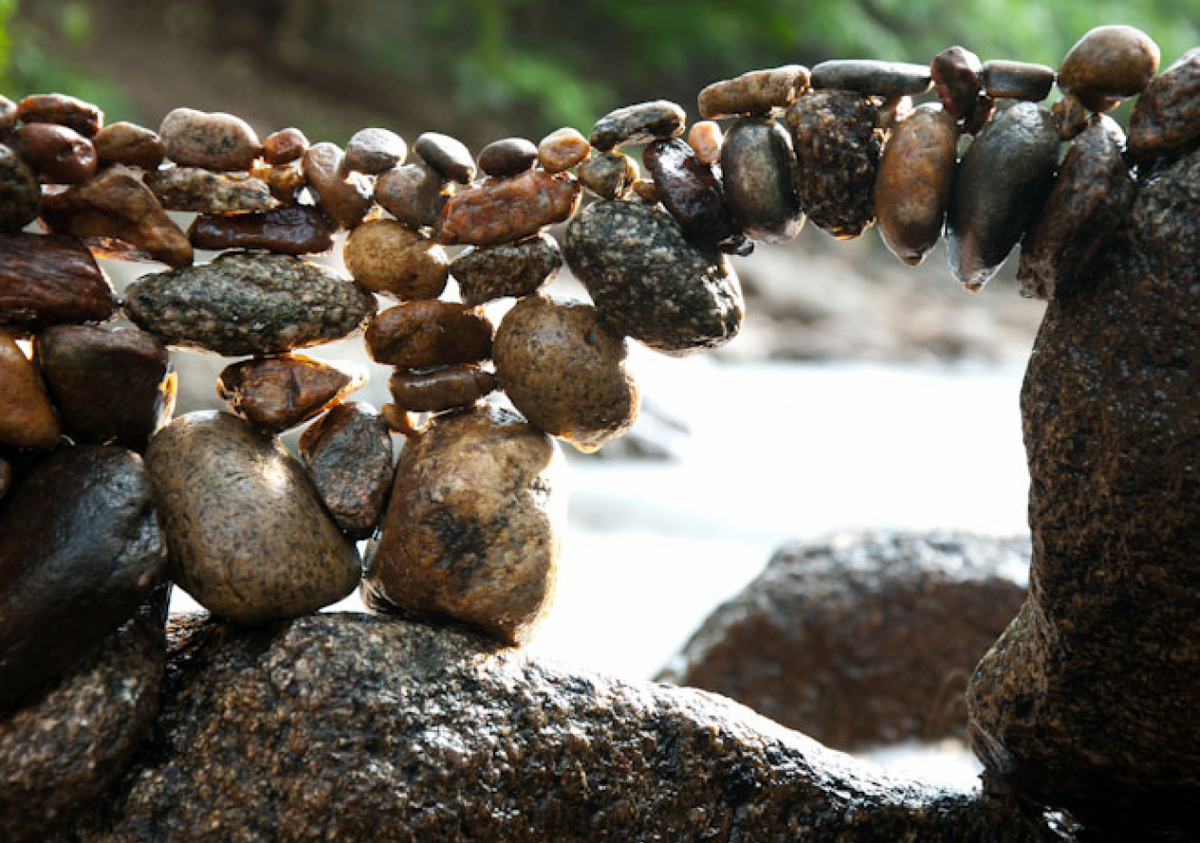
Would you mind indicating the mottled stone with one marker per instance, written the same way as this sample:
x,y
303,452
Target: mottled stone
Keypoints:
x,y
27,418
690,190
1003,179
214,141
706,138
249,538
344,195
912,187
1108,64
58,154
20,194
289,229
348,455
248,303
1166,116
564,369
861,639
472,531
759,173
50,280
439,389
206,192
387,257
649,282
82,550
414,194
838,146
1087,702
1085,209
72,112
116,204
109,385
420,334
640,123
956,74
755,92
507,157
285,146
486,273
375,150
64,753
448,156
885,79
130,144
1020,80
609,175
509,209
562,149
278,393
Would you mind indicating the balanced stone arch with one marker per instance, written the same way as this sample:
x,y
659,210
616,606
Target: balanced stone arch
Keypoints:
x,y
465,530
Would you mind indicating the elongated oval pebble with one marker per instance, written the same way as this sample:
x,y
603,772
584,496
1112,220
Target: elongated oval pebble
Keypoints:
x,y
214,141
449,156
689,189
421,334
759,171
286,229
1020,80
440,389
277,393
912,187
206,192
387,257
128,143
885,79
83,117
640,123
562,149
50,280
507,157
755,92
59,154
486,273
1109,64
375,150
509,209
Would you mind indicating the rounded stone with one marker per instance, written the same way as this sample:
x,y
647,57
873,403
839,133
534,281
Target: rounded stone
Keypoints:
x,y
50,280
1108,64
689,189
344,195
288,229
564,369
609,175
759,172
885,79
375,150
706,138
1166,117
648,282
507,157
449,156
486,273
129,143
755,92
387,257
59,154
27,418
278,393
506,210
956,77
72,112
440,389
82,549
206,192
414,194
562,149
20,194
1020,80
248,535
473,528
420,334
109,385
916,175
640,123
348,455
214,141
285,146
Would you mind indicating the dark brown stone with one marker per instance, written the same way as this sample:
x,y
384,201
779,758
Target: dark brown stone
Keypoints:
x,y
284,146
1166,116
756,92
385,256
640,123
20,193
80,116
1108,64
344,195
278,393
486,273
1017,80
956,76
27,418
214,141
448,156
690,190
374,151
759,174
58,154
109,385
288,229
50,280
421,334
510,209
206,192
610,175
414,194
507,157
439,389
885,79
348,454
7,476
8,115
128,143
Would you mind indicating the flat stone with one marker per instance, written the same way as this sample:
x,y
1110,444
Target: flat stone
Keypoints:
x,y
486,273
414,194
649,282
129,144
507,157
109,385
956,74
887,79
20,193
50,280
1108,64
249,537
755,92
82,550
472,531
690,190
27,418
448,156
206,192
1088,204
442,388
58,154
374,151
286,229
343,194
609,175
420,334
387,257
278,393
564,370
348,455
759,177
509,209
1166,117
1003,179
562,149
640,123
72,112
248,303
1020,80
214,141
285,146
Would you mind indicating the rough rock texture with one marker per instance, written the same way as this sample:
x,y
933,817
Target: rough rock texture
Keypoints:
x,y
1167,114
1088,702
350,728
862,639
49,280
348,454
485,273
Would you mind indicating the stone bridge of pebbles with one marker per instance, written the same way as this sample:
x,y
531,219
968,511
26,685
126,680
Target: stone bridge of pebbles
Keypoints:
x,y
278,725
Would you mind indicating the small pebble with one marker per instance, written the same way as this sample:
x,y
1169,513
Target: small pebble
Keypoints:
x,y
562,149
20,194
80,116
348,455
1108,64
248,303
609,175
486,273
507,157
646,190
449,156
689,189
414,194
885,79
1166,116
510,209
980,115
278,393
1017,80
289,229
59,155
641,123
759,172
344,195
374,151
441,389
249,538
891,112
109,385
50,280
27,419
956,77
705,138
284,147
206,192
756,92
386,257
423,334
128,143
1071,115
285,181
214,141
8,115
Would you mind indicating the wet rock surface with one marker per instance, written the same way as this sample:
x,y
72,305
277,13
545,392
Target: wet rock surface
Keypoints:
x,y
50,280
289,229
420,334
956,77
639,123
759,171
348,455
690,190
129,143
413,194
342,194
27,418
63,109
486,273
756,92
441,388
1167,115
1019,80
562,149
885,79
385,256
1107,65
375,150
448,156
20,194
277,393
864,639
510,209
610,175
58,154
508,156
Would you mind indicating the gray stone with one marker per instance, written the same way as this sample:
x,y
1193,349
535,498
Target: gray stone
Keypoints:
x,y
375,151
640,123
348,454
759,170
449,156
215,141
1016,80
485,273
609,175
887,79
413,194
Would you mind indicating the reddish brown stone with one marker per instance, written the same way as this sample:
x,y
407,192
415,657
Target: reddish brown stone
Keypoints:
x,y
284,146
128,143
343,195
437,390
421,334
59,155
956,77
277,393
83,117
27,419
562,149
50,280
291,229
705,138
348,454
507,210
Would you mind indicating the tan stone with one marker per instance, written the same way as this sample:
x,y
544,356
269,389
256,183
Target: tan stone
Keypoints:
x,y
386,257
27,418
